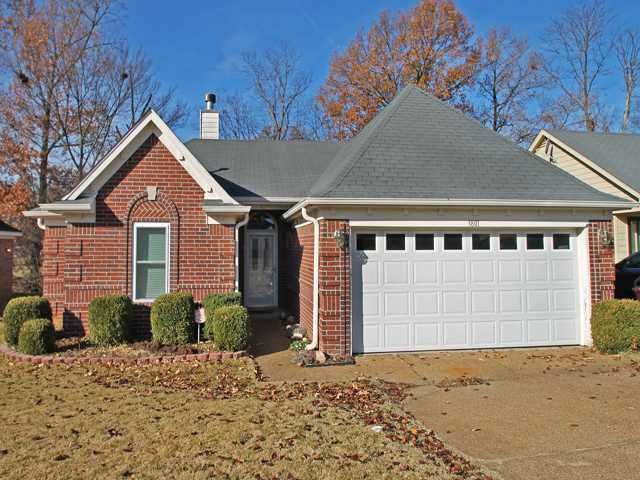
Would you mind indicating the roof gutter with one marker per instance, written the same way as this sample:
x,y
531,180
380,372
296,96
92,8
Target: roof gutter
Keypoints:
x,y
421,202
316,266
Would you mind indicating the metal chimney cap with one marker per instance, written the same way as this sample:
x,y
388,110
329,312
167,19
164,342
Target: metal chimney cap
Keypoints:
x,y
210,97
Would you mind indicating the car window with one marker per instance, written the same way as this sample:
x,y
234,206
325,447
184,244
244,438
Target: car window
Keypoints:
x,y
634,261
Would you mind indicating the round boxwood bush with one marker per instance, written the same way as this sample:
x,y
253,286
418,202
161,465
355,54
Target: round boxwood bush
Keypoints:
x,y
231,328
37,337
2,337
212,302
172,318
21,309
110,317
615,325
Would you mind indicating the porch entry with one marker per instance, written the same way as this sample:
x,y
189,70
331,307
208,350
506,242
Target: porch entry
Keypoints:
x,y
261,263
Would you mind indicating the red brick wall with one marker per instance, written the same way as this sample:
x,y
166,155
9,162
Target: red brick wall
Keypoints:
x,y
601,262
53,271
334,291
97,258
297,275
6,272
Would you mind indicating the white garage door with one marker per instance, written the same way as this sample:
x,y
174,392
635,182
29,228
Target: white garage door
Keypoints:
x,y
451,290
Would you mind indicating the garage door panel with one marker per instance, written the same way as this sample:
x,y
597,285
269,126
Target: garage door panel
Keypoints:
x,y
454,302
454,271
537,270
483,302
397,335
396,303
425,303
511,332
426,335
482,271
538,331
509,271
511,301
436,299
538,301
483,333
425,272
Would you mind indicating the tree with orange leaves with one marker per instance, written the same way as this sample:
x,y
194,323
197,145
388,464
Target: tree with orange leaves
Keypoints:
x,y
431,46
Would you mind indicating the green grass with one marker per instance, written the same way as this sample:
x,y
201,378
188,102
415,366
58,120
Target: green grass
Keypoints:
x,y
188,421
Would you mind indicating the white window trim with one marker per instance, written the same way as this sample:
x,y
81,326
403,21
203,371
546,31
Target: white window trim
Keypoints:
x,y
134,255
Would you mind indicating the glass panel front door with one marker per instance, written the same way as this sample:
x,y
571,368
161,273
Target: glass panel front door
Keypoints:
x,y
260,272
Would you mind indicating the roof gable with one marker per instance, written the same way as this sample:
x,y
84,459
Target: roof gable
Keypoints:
x,y
421,147
149,124
615,155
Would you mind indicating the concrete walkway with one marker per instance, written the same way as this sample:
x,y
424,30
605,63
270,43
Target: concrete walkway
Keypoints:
x,y
560,413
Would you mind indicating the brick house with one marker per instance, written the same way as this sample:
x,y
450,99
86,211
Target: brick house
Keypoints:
x,y
8,235
425,231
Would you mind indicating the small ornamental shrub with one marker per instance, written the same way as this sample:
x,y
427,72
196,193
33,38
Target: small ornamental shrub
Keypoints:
x,y
172,320
37,337
21,309
298,345
110,318
2,339
615,325
231,328
212,303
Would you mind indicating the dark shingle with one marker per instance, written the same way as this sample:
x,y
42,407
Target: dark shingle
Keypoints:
x,y
421,147
4,227
264,168
617,153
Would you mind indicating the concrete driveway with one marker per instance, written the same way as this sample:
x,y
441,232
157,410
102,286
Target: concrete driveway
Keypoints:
x,y
560,413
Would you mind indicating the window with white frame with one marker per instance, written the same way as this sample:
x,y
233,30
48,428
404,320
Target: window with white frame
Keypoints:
x,y
151,260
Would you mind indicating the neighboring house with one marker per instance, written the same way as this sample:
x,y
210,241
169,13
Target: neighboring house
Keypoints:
x,y
609,162
425,231
8,235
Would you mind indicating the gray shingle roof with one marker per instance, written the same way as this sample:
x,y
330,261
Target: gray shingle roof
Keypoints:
x,y
4,227
264,168
617,153
421,147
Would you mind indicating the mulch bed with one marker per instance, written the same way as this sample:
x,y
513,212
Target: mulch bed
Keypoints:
x,y
81,347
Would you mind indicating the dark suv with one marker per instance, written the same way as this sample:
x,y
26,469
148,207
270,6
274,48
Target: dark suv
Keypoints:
x,y
628,276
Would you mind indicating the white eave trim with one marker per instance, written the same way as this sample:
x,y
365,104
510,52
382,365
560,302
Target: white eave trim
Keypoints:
x,y
413,202
226,208
75,207
211,188
593,166
9,235
463,224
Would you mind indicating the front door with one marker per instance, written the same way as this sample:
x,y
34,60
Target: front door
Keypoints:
x,y
260,267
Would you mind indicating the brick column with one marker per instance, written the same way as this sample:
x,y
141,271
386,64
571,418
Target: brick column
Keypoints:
x,y
334,291
601,261
6,271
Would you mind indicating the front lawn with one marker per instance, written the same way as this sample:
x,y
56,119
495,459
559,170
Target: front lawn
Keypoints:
x,y
192,420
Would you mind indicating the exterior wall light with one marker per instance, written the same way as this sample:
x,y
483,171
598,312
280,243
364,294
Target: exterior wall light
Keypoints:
x,y
606,239
342,238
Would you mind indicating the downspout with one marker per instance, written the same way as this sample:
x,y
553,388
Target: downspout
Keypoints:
x,y
239,225
316,267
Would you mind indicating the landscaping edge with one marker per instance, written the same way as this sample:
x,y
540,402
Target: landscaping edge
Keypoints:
x,y
11,354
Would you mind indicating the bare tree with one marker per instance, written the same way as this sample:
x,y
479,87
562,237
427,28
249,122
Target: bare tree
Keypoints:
x,y
510,78
578,45
237,119
627,48
280,83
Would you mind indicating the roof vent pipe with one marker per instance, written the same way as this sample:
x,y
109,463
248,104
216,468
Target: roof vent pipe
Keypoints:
x,y
209,119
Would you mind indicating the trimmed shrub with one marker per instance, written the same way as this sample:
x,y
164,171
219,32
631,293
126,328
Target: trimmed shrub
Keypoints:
x,y
615,325
2,338
21,309
37,337
172,320
110,317
231,327
212,303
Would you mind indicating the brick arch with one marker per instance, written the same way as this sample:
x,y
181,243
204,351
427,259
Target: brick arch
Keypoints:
x,y
162,209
